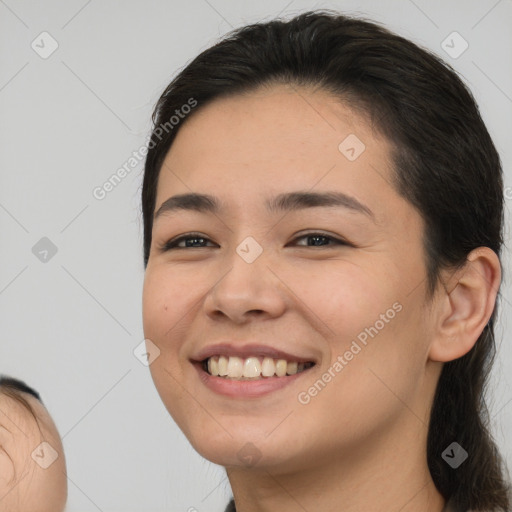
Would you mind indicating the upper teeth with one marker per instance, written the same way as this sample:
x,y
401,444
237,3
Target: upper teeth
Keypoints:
x,y
252,367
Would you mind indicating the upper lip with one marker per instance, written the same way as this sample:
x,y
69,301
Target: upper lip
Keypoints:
x,y
245,351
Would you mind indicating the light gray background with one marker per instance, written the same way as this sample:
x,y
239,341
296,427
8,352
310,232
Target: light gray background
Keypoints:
x,y
67,123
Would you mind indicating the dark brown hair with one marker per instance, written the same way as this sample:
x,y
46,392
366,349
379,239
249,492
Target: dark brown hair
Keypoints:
x,y
445,165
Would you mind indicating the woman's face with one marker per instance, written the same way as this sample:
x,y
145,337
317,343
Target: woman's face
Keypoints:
x,y
338,285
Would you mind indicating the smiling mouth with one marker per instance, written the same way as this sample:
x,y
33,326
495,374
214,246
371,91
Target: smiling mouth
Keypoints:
x,y
252,368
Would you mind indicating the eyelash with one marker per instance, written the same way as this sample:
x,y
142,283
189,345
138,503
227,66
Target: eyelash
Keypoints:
x,y
173,244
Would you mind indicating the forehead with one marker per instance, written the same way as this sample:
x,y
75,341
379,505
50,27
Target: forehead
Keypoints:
x,y
282,122
17,421
21,432
252,146
20,436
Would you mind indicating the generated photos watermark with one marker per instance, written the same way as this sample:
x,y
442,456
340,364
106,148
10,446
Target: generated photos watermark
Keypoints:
x,y
304,397
101,191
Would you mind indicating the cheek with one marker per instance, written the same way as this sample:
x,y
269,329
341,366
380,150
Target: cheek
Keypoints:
x,y
168,295
170,301
366,325
339,298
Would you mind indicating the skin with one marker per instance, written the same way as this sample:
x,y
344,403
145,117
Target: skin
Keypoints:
x,y
25,484
361,440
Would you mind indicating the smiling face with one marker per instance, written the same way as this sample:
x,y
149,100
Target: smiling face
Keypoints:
x,y
338,281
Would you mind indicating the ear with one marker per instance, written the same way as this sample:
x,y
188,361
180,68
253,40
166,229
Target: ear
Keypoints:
x,y
465,304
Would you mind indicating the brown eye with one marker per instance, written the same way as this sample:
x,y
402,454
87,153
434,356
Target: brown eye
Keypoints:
x,y
197,240
318,240
191,240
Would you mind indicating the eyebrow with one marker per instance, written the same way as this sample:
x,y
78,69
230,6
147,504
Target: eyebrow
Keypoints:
x,y
290,201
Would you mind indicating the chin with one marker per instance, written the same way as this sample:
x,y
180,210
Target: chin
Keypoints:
x,y
243,447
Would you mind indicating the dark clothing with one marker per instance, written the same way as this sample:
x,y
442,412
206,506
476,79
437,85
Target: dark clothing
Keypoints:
x,y
230,507
447,508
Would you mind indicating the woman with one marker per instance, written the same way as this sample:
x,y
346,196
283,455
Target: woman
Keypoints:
x,y
323,212
32,463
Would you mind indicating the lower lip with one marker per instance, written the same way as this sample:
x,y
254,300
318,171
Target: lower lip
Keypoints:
x,y
245,388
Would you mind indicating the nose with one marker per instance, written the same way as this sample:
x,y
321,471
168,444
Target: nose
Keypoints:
x,y
246,290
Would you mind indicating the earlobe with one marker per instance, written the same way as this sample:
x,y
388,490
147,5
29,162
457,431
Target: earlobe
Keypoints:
x,y
466,305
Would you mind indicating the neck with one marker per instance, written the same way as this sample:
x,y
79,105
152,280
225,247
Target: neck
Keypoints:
x,y
386,472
